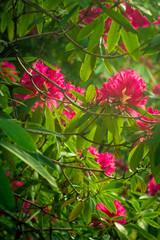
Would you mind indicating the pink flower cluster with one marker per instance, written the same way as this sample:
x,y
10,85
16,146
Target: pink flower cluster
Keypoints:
x,y
126,87
7,71
153,188
135,17
46,91
120,212
106,160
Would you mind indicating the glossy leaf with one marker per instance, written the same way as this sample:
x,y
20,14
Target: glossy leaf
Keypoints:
x,y
87,214
131,43
17,134
113,36
96,35
87,67
76,211
7,201
29,160
90,93
87,30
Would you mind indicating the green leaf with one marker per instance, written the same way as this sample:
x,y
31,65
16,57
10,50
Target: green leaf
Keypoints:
x,y
50,65
136,205
113,36
143,232
9,158
151,214
3,22
43,160
106,200
78,96
102,214
141,184
135,156
69,201
151,222
87,214
83,3
17,134
119,18
76,211
29,160
112,186
67,17
10,26
121,228
131,43
87,30
83,119
26,106
97,33
90,93
108,65
7,201
44,131
87,67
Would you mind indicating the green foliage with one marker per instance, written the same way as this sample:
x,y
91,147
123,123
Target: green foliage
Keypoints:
x,y
51,180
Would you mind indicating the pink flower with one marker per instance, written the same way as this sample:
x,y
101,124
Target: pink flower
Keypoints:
x,y
69,113
125,87
157,22
156,89
135,17
7,72
93,151
106,160
120,211
153,188
42,84
145,125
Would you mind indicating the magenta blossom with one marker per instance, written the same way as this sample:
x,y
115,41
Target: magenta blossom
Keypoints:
x,y
153,188
156,89
148,125
126,87
135,17
50,91
106,160
120,212
7,71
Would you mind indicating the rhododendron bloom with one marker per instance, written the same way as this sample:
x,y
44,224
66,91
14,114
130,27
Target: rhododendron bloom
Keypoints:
x,y
135,17
106,160
120,211
156,89
126,87
153,188
147,125
7,72
51,92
